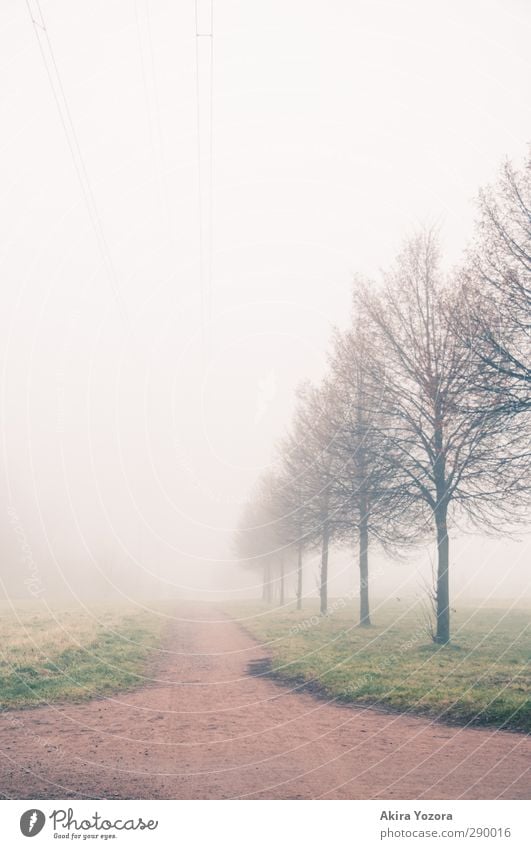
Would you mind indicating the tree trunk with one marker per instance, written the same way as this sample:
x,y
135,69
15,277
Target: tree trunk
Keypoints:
x,y
268,593
264,584
299,577
281,581
442,599
443,587
365,619
324,571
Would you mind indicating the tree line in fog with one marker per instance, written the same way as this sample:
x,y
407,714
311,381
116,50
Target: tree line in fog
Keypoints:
x,y
421,420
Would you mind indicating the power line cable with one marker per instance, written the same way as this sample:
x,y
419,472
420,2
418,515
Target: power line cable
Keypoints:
x,y
152,103
58,91
204,33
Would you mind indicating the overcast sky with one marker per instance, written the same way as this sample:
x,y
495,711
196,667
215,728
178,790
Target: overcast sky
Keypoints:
x,y
338,128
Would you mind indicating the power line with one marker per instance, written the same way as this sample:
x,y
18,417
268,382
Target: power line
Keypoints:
x,y
61,101
151,97
204,38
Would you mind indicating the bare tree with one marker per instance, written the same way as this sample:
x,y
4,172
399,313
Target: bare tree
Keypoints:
x,y
310,467
454,453
258,540
267,534
367,487
252,543
496,285
289,507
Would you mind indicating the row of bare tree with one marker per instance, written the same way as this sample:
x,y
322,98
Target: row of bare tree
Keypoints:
x,y
423,417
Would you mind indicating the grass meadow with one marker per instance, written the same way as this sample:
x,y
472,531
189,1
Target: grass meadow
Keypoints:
x,y
48,655
482,677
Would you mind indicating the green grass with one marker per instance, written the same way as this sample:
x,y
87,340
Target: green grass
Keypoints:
x,y
482,677
72,654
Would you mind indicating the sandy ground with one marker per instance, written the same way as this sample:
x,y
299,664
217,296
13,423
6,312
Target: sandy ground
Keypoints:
x,y
209,725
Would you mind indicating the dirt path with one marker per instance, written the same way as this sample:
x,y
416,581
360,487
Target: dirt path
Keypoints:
x,y
210,728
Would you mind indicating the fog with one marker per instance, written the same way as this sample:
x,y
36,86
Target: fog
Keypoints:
x,y
131,432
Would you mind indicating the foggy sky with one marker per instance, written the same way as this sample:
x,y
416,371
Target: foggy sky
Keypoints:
x,y
129,445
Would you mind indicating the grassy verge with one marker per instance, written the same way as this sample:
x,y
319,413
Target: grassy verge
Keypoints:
x,y
482,677
72,654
